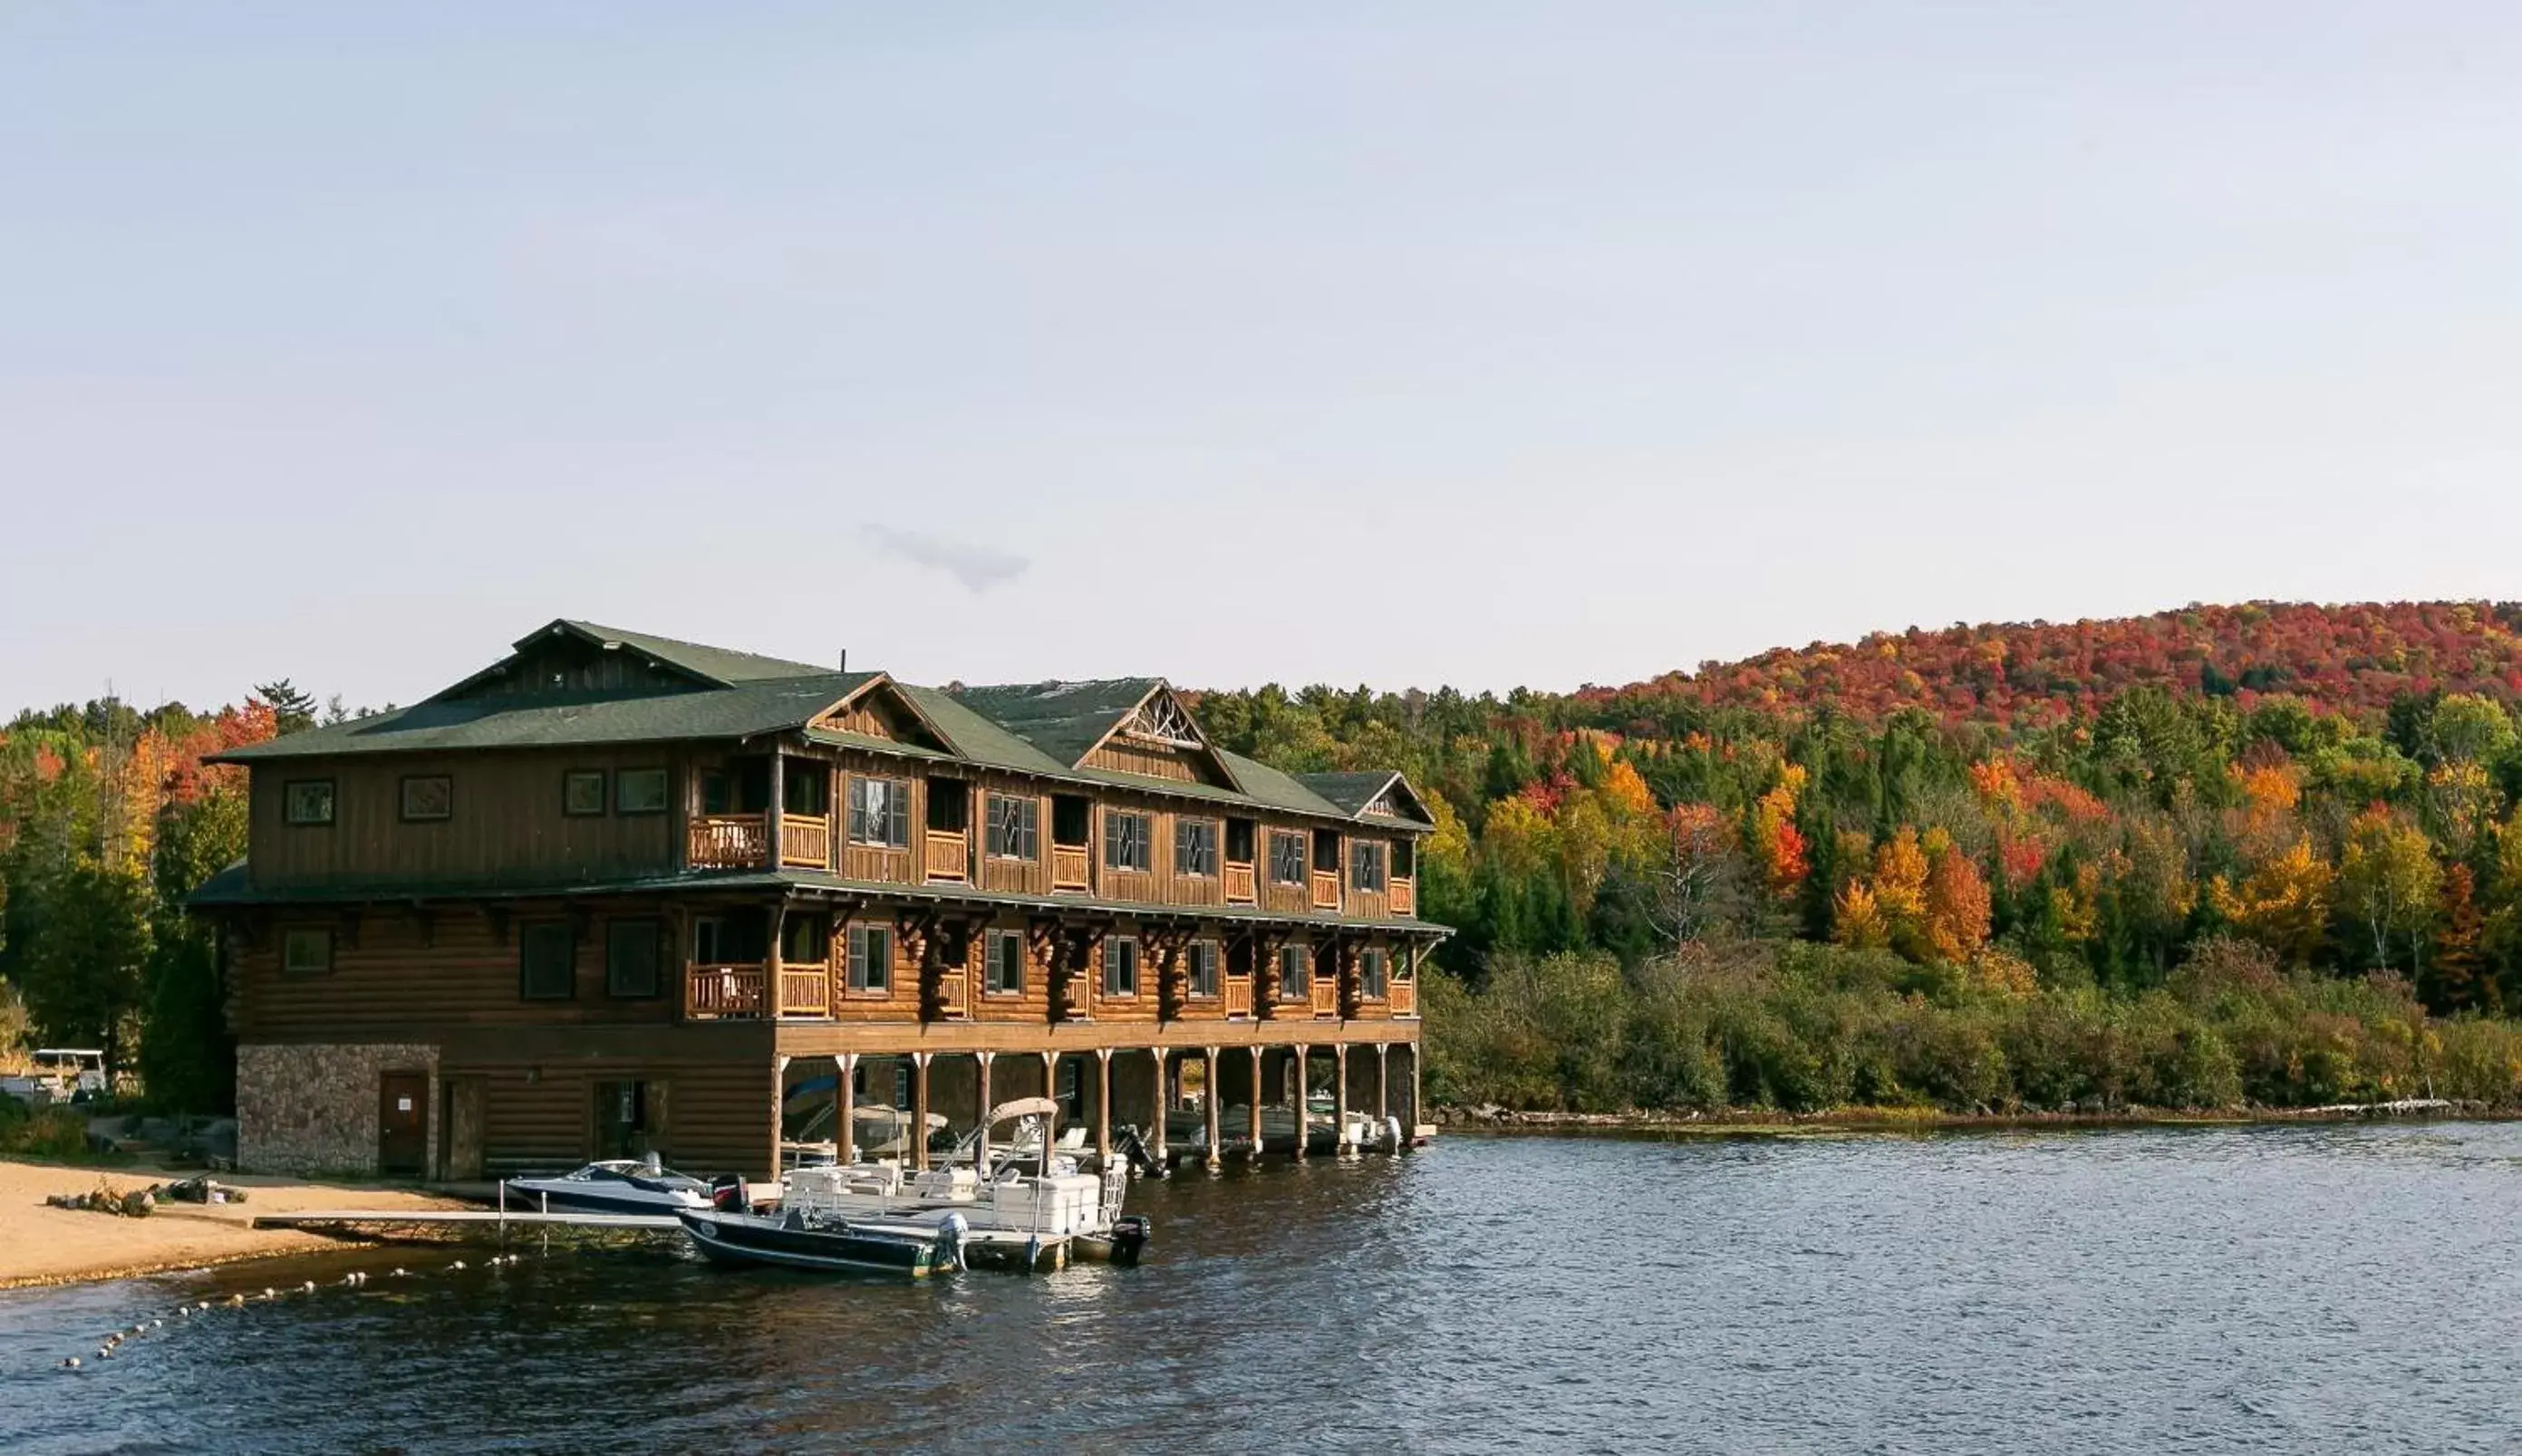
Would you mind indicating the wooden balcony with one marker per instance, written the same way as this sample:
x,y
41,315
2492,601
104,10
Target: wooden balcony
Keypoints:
x,y
728,841
1405,897
805,991
1326,997
1079,998
1239,884
1239,996
714,993
806,843
945,854
1404,997
954,990
1326,889
1068,867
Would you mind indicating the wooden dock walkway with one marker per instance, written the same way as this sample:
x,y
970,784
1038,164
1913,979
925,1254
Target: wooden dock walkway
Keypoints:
x,y
478,1217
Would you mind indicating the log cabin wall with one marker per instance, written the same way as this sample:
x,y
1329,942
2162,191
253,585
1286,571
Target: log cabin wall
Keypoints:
x,y
396,969
1010,875
1280,897
900,999
504,820
873,863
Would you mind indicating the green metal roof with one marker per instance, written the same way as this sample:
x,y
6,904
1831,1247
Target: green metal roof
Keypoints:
x,y
231,888
443,725
1062,720
1040,728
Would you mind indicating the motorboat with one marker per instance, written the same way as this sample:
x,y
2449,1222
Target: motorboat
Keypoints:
x,y
796,1238
1028,1183
875,1132
620,1185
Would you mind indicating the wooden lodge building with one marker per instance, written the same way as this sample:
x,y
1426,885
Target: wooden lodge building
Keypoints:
x,y
617,894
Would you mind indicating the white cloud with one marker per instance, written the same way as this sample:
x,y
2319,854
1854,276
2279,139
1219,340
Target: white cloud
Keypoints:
x,y
979,568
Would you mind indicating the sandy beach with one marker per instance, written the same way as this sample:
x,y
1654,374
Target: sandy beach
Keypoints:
x,y
41,1246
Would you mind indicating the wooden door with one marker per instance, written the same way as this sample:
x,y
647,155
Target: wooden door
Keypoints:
x,y
402,1123
462,1154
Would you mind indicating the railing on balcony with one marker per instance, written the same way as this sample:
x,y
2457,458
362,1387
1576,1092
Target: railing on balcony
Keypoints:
x,y
953,990
1325,889
1405,897
717,992
728,841
1326,997
805,991
1079,998
1239,996
1404,996
1239,884
945,854
806,842
1068,867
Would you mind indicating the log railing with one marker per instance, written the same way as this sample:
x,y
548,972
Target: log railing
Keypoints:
x,y
1326,997
806,842
1239,884
716,992
945,854
1404,996
1239,996
805,991
1080,997
953,992
1325,889
728,841
1405,897
1068,867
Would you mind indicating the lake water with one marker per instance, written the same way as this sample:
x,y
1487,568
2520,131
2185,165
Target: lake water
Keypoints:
x,y
2276,1290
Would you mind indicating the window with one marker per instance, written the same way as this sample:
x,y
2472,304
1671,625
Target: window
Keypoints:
x,y
1239,841
306,801
548,961
871,960
801,789
1069,815
1295,974
427,797
581,793
1016,825
1327,851
306,950
1125,840
1366,867
631,958
639,791
1371,967
1203,968
1120,966
1194,846
803,940
1286,859
950,805
1002,962
880,812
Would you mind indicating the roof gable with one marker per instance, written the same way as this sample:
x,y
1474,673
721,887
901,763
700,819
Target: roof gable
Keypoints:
x,y
1381,794
1064,720
879,709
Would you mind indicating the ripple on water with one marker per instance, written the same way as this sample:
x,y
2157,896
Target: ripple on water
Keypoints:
x,y
2196,1291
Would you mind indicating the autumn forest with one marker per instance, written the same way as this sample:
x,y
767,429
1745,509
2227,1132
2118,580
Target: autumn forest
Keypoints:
x,y
2263,853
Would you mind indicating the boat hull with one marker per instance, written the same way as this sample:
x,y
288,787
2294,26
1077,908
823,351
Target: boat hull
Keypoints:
x,y
744,1240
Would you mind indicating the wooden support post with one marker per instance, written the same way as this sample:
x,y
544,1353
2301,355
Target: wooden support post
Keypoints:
x,y
1299,1097
778,1107
1208,1100
1164,1103
772,961
1340,1099
1049,1089
845,1143
919,1110
1102,1105
1252,1111
1383,1083
1410,1134
773,824
981,1145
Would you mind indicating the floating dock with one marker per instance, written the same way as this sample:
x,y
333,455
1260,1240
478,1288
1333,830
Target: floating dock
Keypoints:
x,y
989,1248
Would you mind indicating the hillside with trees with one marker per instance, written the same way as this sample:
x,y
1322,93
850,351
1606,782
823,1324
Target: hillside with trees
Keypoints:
x,y
2244,853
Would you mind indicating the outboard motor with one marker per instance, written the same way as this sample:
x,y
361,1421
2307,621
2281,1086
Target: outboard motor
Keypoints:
x,y
950,1242
729,1194
1130,1236
1134,1148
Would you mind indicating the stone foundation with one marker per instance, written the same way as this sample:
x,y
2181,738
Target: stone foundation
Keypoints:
x,y
313,1108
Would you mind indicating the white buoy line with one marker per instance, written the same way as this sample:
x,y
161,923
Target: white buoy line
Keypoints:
x,y
194,1309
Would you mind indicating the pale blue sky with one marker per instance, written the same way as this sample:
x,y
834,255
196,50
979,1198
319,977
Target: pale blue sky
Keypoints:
x,y
1402,343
